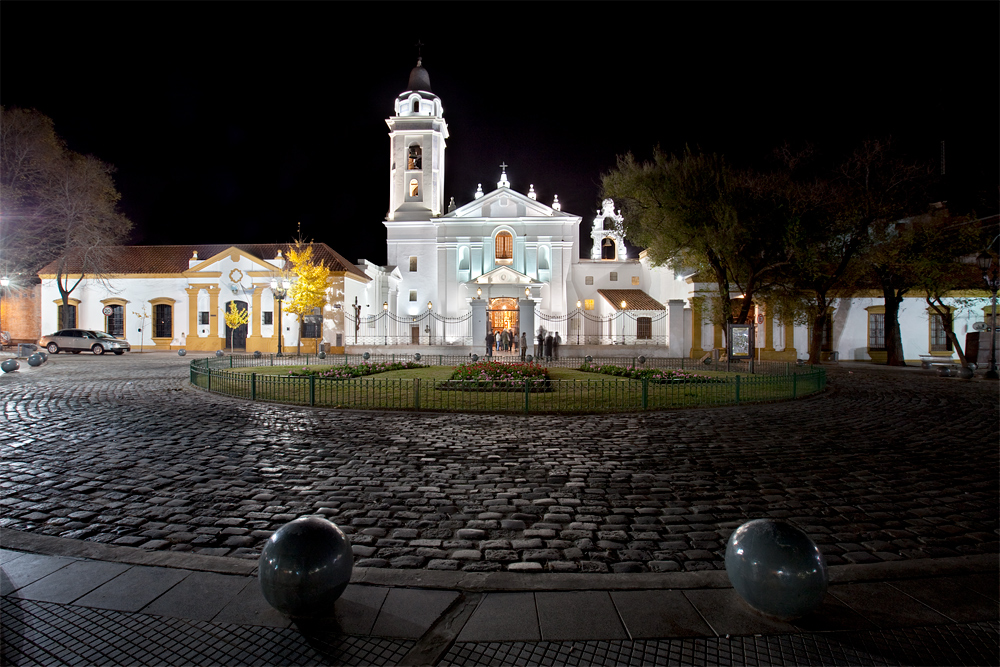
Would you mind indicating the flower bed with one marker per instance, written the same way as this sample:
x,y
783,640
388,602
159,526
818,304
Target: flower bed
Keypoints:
x,y
495,375
654,374
361,370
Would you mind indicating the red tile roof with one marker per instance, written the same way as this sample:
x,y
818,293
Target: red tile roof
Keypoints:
x,y
138,259
635,299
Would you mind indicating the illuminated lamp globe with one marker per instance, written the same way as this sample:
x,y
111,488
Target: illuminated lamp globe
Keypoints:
x,y
305,566
776,568
9,365
35,360
181,353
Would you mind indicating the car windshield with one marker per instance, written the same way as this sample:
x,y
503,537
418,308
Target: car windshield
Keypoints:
x,y
101,334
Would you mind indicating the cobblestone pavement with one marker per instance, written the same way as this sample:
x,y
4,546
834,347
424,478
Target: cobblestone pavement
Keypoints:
x,y
888,464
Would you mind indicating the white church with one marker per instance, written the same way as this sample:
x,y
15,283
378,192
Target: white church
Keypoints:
x,y
504,261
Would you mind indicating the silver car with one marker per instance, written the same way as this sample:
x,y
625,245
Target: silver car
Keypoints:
x,y
78,340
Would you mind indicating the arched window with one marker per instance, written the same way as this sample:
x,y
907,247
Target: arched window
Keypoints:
x,y
504,246
414,188
608,250
543,257
414,157
163,320
416,106
463,258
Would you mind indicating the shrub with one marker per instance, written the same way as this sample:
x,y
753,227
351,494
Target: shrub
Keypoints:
x,y
361,370
654,374
487,375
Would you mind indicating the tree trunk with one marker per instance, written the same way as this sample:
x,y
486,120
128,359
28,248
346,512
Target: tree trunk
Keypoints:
x,y
818,327
893,336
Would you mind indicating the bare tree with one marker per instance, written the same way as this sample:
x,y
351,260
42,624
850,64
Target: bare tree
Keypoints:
x,y
59,207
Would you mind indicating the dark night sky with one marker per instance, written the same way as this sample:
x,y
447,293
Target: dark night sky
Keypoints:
x,y
230,122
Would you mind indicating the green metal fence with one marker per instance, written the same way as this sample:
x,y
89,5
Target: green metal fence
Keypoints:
x,y
605,394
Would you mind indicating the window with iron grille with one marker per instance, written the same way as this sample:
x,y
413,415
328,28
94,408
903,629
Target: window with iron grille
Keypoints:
x,y
312,325
163,320
505,246
115,322
268,317
614,276
203,317
71,322
644,328
876,331
939,335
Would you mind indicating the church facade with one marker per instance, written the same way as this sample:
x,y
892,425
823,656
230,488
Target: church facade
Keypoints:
x,y
506,261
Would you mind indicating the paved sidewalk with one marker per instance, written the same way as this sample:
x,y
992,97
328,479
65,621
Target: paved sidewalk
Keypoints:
x,y
115,607
133,508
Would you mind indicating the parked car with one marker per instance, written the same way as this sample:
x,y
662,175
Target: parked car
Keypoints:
x,y
78,340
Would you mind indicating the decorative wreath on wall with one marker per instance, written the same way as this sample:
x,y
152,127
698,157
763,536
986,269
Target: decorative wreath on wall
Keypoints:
x,y
235,276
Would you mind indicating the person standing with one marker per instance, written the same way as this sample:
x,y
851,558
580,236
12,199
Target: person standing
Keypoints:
x,y
555,346
524,345
541,343
548,347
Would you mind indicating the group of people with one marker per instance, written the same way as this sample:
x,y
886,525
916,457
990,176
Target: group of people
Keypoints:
x,y
548,345
505,340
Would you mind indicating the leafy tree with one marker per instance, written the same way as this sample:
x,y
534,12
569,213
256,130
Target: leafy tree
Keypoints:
x,y
57,205
312,278
235,318
697,212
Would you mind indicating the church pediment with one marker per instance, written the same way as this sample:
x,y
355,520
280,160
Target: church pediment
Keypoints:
x,y
505,203
233,255
504,275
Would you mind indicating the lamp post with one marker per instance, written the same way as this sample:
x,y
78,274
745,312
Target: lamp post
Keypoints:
x,y
624,305
430,323
280,291
357,319
578,322
385,313
992,280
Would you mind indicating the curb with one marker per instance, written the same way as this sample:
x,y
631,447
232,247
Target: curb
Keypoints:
x,y
475,582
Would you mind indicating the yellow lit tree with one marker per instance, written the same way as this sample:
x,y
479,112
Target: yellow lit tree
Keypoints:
x,y
312,277
235,318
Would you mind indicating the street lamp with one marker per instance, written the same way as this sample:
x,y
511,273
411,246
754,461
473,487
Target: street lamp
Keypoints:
x,y
578,304
357,319
985,261
385,311
280,292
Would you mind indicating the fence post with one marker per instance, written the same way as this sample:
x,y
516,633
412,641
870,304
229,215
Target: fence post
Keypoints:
x,y
737,390
230,361
312,389
416,394
253,386
645,392
209,378
527,391
795,377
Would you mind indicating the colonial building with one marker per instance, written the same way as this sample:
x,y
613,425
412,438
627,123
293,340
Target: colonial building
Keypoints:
x,y
173,297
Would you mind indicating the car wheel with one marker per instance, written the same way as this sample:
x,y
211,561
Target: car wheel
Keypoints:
x,y
119,351
97,349
52,348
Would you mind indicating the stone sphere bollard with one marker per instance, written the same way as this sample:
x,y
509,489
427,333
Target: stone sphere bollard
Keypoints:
x,y
257,354
305,566
416,357
475,357
642,360
366,356
965,372
589,359
776,568
219,353
9,365
35,360
529,358
321,355
181,353
945,372
43,354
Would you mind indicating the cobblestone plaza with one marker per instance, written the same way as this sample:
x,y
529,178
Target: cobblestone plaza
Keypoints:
x,y
886,465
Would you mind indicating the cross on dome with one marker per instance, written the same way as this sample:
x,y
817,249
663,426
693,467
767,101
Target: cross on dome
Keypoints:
x,y
504,183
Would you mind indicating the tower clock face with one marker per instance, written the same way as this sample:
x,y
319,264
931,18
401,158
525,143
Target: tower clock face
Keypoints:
x,y
235,276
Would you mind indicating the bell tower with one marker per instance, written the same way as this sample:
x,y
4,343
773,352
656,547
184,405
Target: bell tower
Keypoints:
x,y
417,134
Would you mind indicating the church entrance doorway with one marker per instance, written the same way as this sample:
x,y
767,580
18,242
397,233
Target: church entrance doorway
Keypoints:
x,y
238,336
503,315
